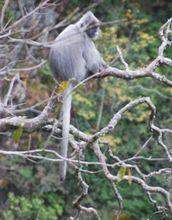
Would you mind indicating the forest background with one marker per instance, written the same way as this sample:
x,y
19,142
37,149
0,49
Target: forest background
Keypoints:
x,y
30,189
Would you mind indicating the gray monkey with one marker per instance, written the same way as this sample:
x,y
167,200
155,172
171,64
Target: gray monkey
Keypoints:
x,y
74,56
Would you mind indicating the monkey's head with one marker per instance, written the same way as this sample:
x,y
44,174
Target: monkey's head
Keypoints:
x,y
90,25
93,31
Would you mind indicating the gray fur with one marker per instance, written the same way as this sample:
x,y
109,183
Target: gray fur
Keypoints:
x,y
74,56
65,114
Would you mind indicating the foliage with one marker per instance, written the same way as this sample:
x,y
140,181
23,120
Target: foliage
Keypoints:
x,y
36,185
17,134
45,74
139,43
41,207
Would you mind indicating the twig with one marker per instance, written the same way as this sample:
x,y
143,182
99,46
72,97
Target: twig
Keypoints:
x,y
3,13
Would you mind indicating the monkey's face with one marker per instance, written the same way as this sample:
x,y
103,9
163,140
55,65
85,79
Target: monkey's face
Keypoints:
x,y
93,32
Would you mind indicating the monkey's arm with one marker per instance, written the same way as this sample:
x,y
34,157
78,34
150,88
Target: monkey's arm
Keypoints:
x,y
93,58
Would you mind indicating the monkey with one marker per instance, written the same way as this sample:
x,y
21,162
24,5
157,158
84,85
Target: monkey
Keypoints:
x,y
74,56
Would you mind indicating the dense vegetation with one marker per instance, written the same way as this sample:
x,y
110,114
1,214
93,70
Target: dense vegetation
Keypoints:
x,y
32,190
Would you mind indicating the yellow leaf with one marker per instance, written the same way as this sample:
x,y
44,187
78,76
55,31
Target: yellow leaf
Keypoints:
x,y
62,86
129,176
121,173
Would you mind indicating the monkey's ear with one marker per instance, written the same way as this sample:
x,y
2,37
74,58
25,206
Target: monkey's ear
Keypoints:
x,y
84,20
92,18
87,19
89,13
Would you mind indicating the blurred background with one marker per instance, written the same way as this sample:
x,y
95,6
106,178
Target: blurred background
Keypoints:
x,y
31,189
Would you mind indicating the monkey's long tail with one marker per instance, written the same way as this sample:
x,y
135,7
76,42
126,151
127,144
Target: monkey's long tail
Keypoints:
x,y
66,108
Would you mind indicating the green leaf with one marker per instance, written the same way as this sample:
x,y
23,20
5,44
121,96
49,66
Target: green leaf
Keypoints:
x,y
25,172
17,134
121,173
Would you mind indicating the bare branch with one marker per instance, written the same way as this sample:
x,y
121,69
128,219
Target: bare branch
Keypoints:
x,y
122,58
13,43
135,179
41,5
113,122
3,13
34,123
